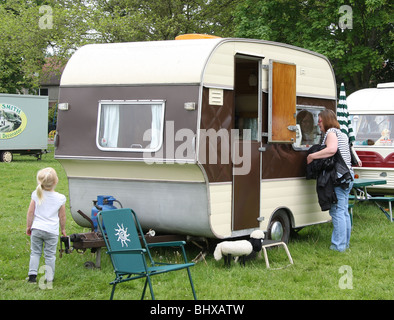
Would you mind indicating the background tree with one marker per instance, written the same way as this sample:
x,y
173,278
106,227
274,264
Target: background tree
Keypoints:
x,y
135,20
21,48
31,31
361,52
362,55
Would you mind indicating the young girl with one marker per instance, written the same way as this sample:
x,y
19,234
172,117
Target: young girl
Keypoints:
x,y
47,208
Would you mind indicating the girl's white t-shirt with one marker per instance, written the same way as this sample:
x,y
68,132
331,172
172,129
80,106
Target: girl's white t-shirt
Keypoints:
x,y
46,214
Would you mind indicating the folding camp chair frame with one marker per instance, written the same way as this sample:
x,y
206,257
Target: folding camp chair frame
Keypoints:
x,y
155,267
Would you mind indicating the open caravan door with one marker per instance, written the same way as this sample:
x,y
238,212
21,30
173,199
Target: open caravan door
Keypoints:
x,y
282,102
247,110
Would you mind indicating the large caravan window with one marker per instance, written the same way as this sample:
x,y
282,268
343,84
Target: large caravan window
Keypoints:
x,y
307,130
130,126
372,129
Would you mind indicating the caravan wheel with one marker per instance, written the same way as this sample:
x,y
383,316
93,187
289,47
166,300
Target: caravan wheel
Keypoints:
x,y
279,227
6,156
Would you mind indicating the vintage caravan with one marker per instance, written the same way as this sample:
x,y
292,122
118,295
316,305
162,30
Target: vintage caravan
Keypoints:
x,y
203,137
372,114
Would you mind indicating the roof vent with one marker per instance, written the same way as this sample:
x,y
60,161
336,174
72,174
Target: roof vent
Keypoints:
x,y
189,36
386,85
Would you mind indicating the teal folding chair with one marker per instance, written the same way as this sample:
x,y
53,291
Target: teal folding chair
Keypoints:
x,y
123,235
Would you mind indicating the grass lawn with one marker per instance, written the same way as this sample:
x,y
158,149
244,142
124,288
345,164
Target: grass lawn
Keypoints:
x,y
363,272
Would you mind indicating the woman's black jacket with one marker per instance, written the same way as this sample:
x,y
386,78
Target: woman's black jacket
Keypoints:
x,y
329,173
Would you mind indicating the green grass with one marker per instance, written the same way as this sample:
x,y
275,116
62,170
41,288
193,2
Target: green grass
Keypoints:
x,y
314,275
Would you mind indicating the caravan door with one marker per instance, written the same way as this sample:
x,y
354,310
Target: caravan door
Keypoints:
x,y
246,155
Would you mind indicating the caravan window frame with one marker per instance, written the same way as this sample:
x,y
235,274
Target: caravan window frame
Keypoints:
x,y
135,146
314,110
368,129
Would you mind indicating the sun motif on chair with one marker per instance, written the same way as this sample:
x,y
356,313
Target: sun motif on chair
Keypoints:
x,y
122,234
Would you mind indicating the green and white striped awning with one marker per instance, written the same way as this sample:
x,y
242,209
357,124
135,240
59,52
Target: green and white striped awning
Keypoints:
x,y
343,115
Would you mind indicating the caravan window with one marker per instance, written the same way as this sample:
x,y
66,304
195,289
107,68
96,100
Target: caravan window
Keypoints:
x,y
372,129
307,130
130,126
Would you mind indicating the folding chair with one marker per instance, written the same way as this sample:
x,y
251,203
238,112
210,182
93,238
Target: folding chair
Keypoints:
x,y
122,232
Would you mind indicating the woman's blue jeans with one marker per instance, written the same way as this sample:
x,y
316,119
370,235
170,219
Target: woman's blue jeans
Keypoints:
x,y
341,220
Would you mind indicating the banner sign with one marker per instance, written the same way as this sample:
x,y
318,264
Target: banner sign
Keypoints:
x,y
12,121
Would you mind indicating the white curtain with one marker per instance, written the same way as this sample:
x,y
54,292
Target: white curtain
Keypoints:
x,y
111,126
155,128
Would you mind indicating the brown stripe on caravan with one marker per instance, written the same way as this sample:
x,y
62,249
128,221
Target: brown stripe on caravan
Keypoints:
x,y
81,139
217,118
279,160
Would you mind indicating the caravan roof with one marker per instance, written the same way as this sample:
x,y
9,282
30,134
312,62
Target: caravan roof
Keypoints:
x,y
378,100
209,62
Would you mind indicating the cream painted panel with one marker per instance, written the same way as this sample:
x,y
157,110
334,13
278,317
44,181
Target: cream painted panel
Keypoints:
x,y
173,61
298,195
184,61
314,73
220,203
377,173
132,170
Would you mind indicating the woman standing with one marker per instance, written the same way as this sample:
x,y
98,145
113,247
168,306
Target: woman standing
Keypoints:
x,y
335,140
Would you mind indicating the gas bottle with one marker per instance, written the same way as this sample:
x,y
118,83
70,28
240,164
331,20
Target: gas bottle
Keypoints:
x,y
102,203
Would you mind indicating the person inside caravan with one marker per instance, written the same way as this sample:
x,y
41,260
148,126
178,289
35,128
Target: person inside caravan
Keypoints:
x,y
335,140
305,120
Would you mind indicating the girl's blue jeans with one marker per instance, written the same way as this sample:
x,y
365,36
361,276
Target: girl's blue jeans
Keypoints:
x,y
339,213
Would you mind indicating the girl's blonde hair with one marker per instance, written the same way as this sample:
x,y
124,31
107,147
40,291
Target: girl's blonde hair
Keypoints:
x,y
47,180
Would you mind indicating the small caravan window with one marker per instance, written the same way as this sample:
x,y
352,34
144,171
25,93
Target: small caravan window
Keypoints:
x,y
307,130
130,126
372,129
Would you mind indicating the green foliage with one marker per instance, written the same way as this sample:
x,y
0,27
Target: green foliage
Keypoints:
x,y
20,37
134,20
30,31
361,52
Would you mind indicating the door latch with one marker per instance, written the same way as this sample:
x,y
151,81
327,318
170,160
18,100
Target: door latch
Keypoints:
x,y
292,128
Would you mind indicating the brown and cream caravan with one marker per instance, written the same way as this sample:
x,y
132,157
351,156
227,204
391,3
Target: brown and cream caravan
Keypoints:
x,y
203,137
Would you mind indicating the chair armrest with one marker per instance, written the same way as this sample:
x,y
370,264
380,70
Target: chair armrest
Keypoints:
x,y
127,251
167,244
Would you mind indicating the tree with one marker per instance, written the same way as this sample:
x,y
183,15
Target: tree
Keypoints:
x,y
30,31
21,48
135,20
357,38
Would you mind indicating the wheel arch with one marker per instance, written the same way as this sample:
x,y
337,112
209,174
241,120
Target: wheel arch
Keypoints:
x,y
277,216
289,213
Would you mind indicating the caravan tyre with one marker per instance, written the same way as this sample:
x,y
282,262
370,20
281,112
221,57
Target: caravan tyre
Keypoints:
x,y
279,227
6,156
